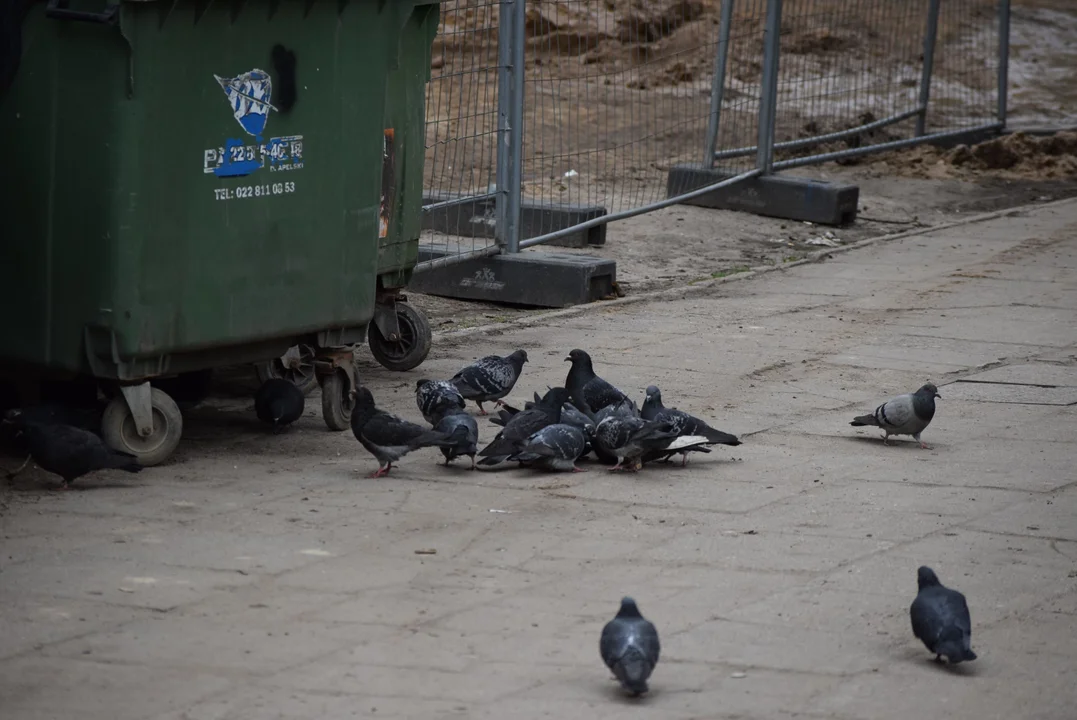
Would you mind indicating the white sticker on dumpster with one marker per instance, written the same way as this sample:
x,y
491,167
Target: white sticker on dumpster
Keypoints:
x,y
250,96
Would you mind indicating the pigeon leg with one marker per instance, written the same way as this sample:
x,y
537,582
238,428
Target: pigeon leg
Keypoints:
x,y
577,469
684,459
482,410
923,446
382,471
472,463
617,468
886,439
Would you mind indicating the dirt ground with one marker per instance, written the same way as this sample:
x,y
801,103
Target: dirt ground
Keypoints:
x,y
663,63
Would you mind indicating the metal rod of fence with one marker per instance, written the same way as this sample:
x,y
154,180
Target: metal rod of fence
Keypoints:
x,y
516,127
457,258
462,200
624,214
931,32
718,81
820,139
892,145
1003,58
504,99
768,91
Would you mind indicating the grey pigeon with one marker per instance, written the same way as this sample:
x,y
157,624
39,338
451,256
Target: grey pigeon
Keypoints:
x,y
908,414
684,425
630,647
590,393
940,618
68,451
386,436
436,398
463,431
629,437
554,447
279,403
490,378
524,424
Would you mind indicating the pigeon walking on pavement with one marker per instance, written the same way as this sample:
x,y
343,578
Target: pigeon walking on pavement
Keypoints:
x,y
279,403
590,393
554,447
462,430
908,414
437,398
630,647
68,451
386,436
940,618
490,378
524,424
684,424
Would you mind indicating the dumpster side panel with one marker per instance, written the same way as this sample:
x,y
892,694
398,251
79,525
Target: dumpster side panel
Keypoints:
x,y
55,189
244,216
172,185
405,113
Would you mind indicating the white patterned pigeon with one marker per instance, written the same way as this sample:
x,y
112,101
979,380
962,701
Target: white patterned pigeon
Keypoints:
x,y
908,414
437,398
630,647
940,618
684,424
629,437
490,378
386,436
590,393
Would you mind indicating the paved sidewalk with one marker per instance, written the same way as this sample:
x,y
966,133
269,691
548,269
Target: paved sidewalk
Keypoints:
x,y
261,577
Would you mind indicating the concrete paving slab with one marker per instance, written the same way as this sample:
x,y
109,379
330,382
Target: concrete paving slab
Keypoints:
x,y
772,600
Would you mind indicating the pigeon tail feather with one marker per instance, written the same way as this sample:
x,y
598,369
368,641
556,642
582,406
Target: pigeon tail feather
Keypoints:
x,y
864,420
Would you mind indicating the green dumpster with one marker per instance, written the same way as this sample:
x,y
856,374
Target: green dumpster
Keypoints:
x,y
191,184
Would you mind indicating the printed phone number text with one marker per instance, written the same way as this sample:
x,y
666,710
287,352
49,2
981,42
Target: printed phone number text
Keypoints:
x,y
253,191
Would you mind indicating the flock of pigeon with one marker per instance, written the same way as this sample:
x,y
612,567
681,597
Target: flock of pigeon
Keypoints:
x,y
588,415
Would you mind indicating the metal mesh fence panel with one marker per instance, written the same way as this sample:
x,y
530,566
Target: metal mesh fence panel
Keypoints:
x,y
858,65
462,131
616,94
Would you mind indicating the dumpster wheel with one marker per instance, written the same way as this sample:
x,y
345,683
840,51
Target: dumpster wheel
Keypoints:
x,y
296,366
119,431
337,400
413,346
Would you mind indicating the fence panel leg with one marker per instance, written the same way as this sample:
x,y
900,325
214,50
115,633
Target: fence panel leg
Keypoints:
x,y
768,98
1003,58
504,102
931,31
718,83
516,126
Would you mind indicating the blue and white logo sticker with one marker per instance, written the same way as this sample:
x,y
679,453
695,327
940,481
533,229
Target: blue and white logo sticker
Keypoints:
x,y
250,97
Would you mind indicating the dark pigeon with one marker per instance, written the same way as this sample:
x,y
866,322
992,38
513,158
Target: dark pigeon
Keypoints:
x,y
684,424
437,398
524,424
940,618
490,378
908,414
386,436
463,431
279,403
630,647
68,451
554,447
590,393
11,435
630,437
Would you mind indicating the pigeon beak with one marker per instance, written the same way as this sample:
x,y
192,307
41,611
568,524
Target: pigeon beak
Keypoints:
x,y
938,396
568,359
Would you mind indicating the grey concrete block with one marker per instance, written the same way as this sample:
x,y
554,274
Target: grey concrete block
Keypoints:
x,y
537,279
478,218
781,196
